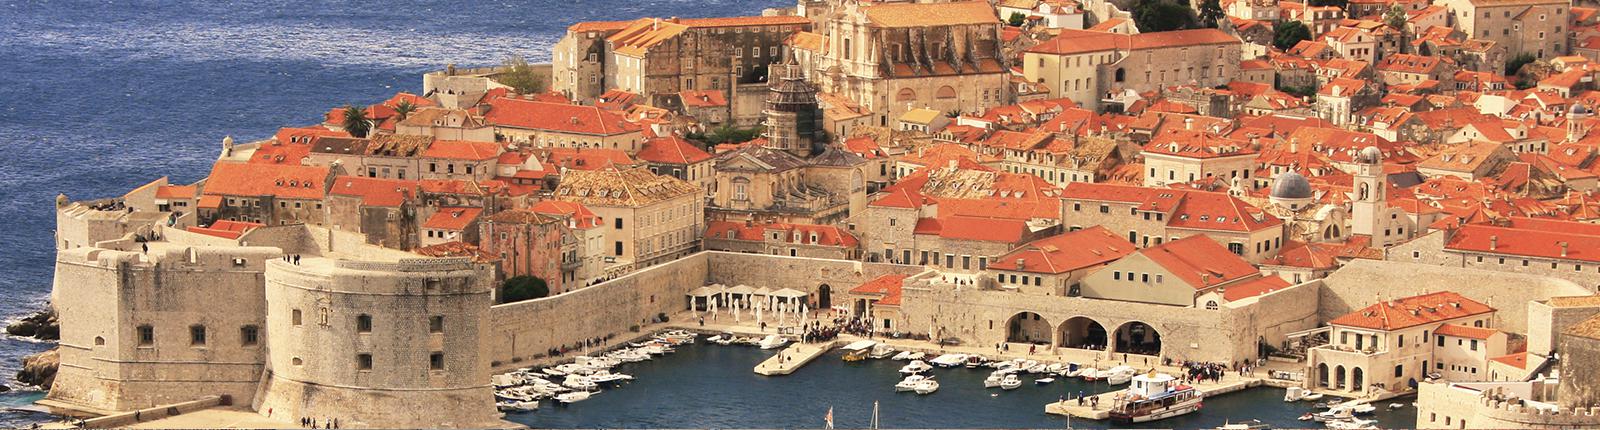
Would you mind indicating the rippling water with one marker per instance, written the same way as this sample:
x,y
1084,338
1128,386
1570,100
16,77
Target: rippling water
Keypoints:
x,y
102,96
710,386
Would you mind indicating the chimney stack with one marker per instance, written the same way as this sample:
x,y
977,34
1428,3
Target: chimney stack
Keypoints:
x,y
1494,242
1563,248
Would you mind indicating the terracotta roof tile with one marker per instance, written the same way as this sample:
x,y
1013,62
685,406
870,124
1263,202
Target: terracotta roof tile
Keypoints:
x,y
1065,252
1413,311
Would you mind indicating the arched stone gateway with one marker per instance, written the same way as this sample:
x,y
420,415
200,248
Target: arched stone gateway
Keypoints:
x,y
1135,337
1082,333
1028,327
824,297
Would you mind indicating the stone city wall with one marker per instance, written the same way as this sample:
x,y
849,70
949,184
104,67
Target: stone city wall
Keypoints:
x,y
1363,282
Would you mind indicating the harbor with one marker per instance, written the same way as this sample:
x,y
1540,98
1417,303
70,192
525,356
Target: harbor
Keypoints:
x,y
704,384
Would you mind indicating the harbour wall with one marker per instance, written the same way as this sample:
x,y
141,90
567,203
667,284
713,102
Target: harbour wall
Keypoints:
x,y
1361,283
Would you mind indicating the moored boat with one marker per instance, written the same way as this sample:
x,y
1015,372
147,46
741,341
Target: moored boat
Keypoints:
x,y
909,384
1294,394
916,366
1010,382
773,341
927,386
881,351
1155,396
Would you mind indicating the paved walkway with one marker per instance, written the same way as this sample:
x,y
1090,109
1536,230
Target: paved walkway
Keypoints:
x,y
209,418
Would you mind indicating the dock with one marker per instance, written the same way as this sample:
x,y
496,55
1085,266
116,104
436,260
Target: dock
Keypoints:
x,y
1108,399
792,358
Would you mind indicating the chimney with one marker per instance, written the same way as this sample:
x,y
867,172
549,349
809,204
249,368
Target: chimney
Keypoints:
x,y
1205,279
1019,264
1494,242
1188,123
1563,245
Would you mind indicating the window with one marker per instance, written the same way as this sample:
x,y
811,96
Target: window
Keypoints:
x,y
618,223
363,361
1399,370
436,324
436,361
249,335
364,323
147,335
197,335
618,250
295,317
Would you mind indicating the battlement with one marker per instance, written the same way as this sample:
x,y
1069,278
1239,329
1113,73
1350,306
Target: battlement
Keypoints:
x,y
166,257
443,264
1512,410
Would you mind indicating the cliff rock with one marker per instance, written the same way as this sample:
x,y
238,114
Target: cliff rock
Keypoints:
x,y
40,369
41,325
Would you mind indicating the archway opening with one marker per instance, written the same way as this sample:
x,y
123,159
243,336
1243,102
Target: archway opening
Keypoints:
x,y
1322,375
1338,377
1083,333
1028,327
1137,337
824,297
1357,379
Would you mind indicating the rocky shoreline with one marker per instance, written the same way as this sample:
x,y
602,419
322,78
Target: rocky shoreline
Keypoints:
x,y
37,369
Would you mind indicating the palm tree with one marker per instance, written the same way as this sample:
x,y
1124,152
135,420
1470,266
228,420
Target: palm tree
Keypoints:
x,y
403,109
356,122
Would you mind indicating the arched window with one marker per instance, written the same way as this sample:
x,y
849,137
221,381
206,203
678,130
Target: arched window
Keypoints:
x,y
364,323
906,94
945,92
1120,75
1211,305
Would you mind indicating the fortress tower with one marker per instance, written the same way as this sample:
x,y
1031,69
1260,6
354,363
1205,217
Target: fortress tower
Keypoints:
x,y
793,120
392,344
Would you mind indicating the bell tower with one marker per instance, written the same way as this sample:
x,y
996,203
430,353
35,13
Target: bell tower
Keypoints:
x,y
1367,199
793,119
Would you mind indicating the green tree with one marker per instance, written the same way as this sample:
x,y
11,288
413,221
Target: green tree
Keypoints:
x,y
1396,18
1016,19
1335,3
522,77
520,288
1290,33
1516,63
355,121
404,108
1211,13
1162,15
727,134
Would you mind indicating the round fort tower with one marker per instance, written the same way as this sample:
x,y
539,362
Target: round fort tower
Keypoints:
x,y
378,344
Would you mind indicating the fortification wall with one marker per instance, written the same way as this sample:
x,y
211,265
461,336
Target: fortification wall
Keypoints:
x,y
1363,282
370,342
140,330
808,275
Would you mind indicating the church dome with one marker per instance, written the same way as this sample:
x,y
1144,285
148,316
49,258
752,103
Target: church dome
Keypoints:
x,y
1578,109
1291,185
1370,155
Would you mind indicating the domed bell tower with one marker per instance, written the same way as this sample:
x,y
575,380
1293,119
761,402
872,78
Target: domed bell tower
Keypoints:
x,y
1367,200
793,119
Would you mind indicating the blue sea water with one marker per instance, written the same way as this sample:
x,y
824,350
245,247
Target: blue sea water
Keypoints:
x,y
98,97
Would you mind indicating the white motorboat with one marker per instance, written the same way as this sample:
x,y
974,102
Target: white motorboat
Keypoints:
x,y
579,382
724,339
513,406
1153,397
993,380
1089,374
916,366
909,384
1294,394
1054,368
1311,397
973,361
917,355
773,341
1118,375
1010,382
903,355
573,397
1044,381
881,351
1335,414
1352,424
1363,409
1038,368
927,386
1248,425
606,377
1393,406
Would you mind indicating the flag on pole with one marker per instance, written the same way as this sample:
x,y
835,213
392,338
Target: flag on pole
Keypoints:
x,y
829,419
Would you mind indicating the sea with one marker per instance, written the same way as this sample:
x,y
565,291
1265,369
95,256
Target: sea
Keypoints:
x,y
98,97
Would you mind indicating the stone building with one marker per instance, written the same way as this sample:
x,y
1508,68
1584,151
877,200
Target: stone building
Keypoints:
x,y
1193,154
1394,344
652,218
676,157
1557,249
527,243
1536,27
661,58
556,125
385,210
1152,216
794,240
265,193
582,264
1086,66
890,58
1053,266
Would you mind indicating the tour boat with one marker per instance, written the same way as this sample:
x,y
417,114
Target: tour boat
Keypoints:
x,y
573,397
773,341
1155,396
1294,394
927,386
1010,382
916,366
881,351
1044,381
858,350
909,384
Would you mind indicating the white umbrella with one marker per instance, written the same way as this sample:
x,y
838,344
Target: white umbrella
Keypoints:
x,y
758,314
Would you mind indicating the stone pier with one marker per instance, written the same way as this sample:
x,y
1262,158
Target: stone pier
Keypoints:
x,y
793,358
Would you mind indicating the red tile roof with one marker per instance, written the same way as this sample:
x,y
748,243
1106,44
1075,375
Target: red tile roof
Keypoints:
x,y
1413,311
586,159
1066,252
254,180
963,227
671,150
1531,237
703,98
176,192
564,118
826,235
580,215
1518,360
1255,287
376,192
1458,330
225,229
890,286
1083,41
1200,261
452,218
462,150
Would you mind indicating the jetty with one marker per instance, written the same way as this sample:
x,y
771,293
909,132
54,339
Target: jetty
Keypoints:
x,y
792,358
1107,399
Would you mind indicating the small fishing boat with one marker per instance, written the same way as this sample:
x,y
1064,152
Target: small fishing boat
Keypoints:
x,y
1248,425
773,341
1010,382
1294,394
902,356
949,360
916,366
1308,416
909,384
513,406
1393,406
1044,381
1352,424
573,397
993,380
881,351
973,361
1311,397
927,386
1120,375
